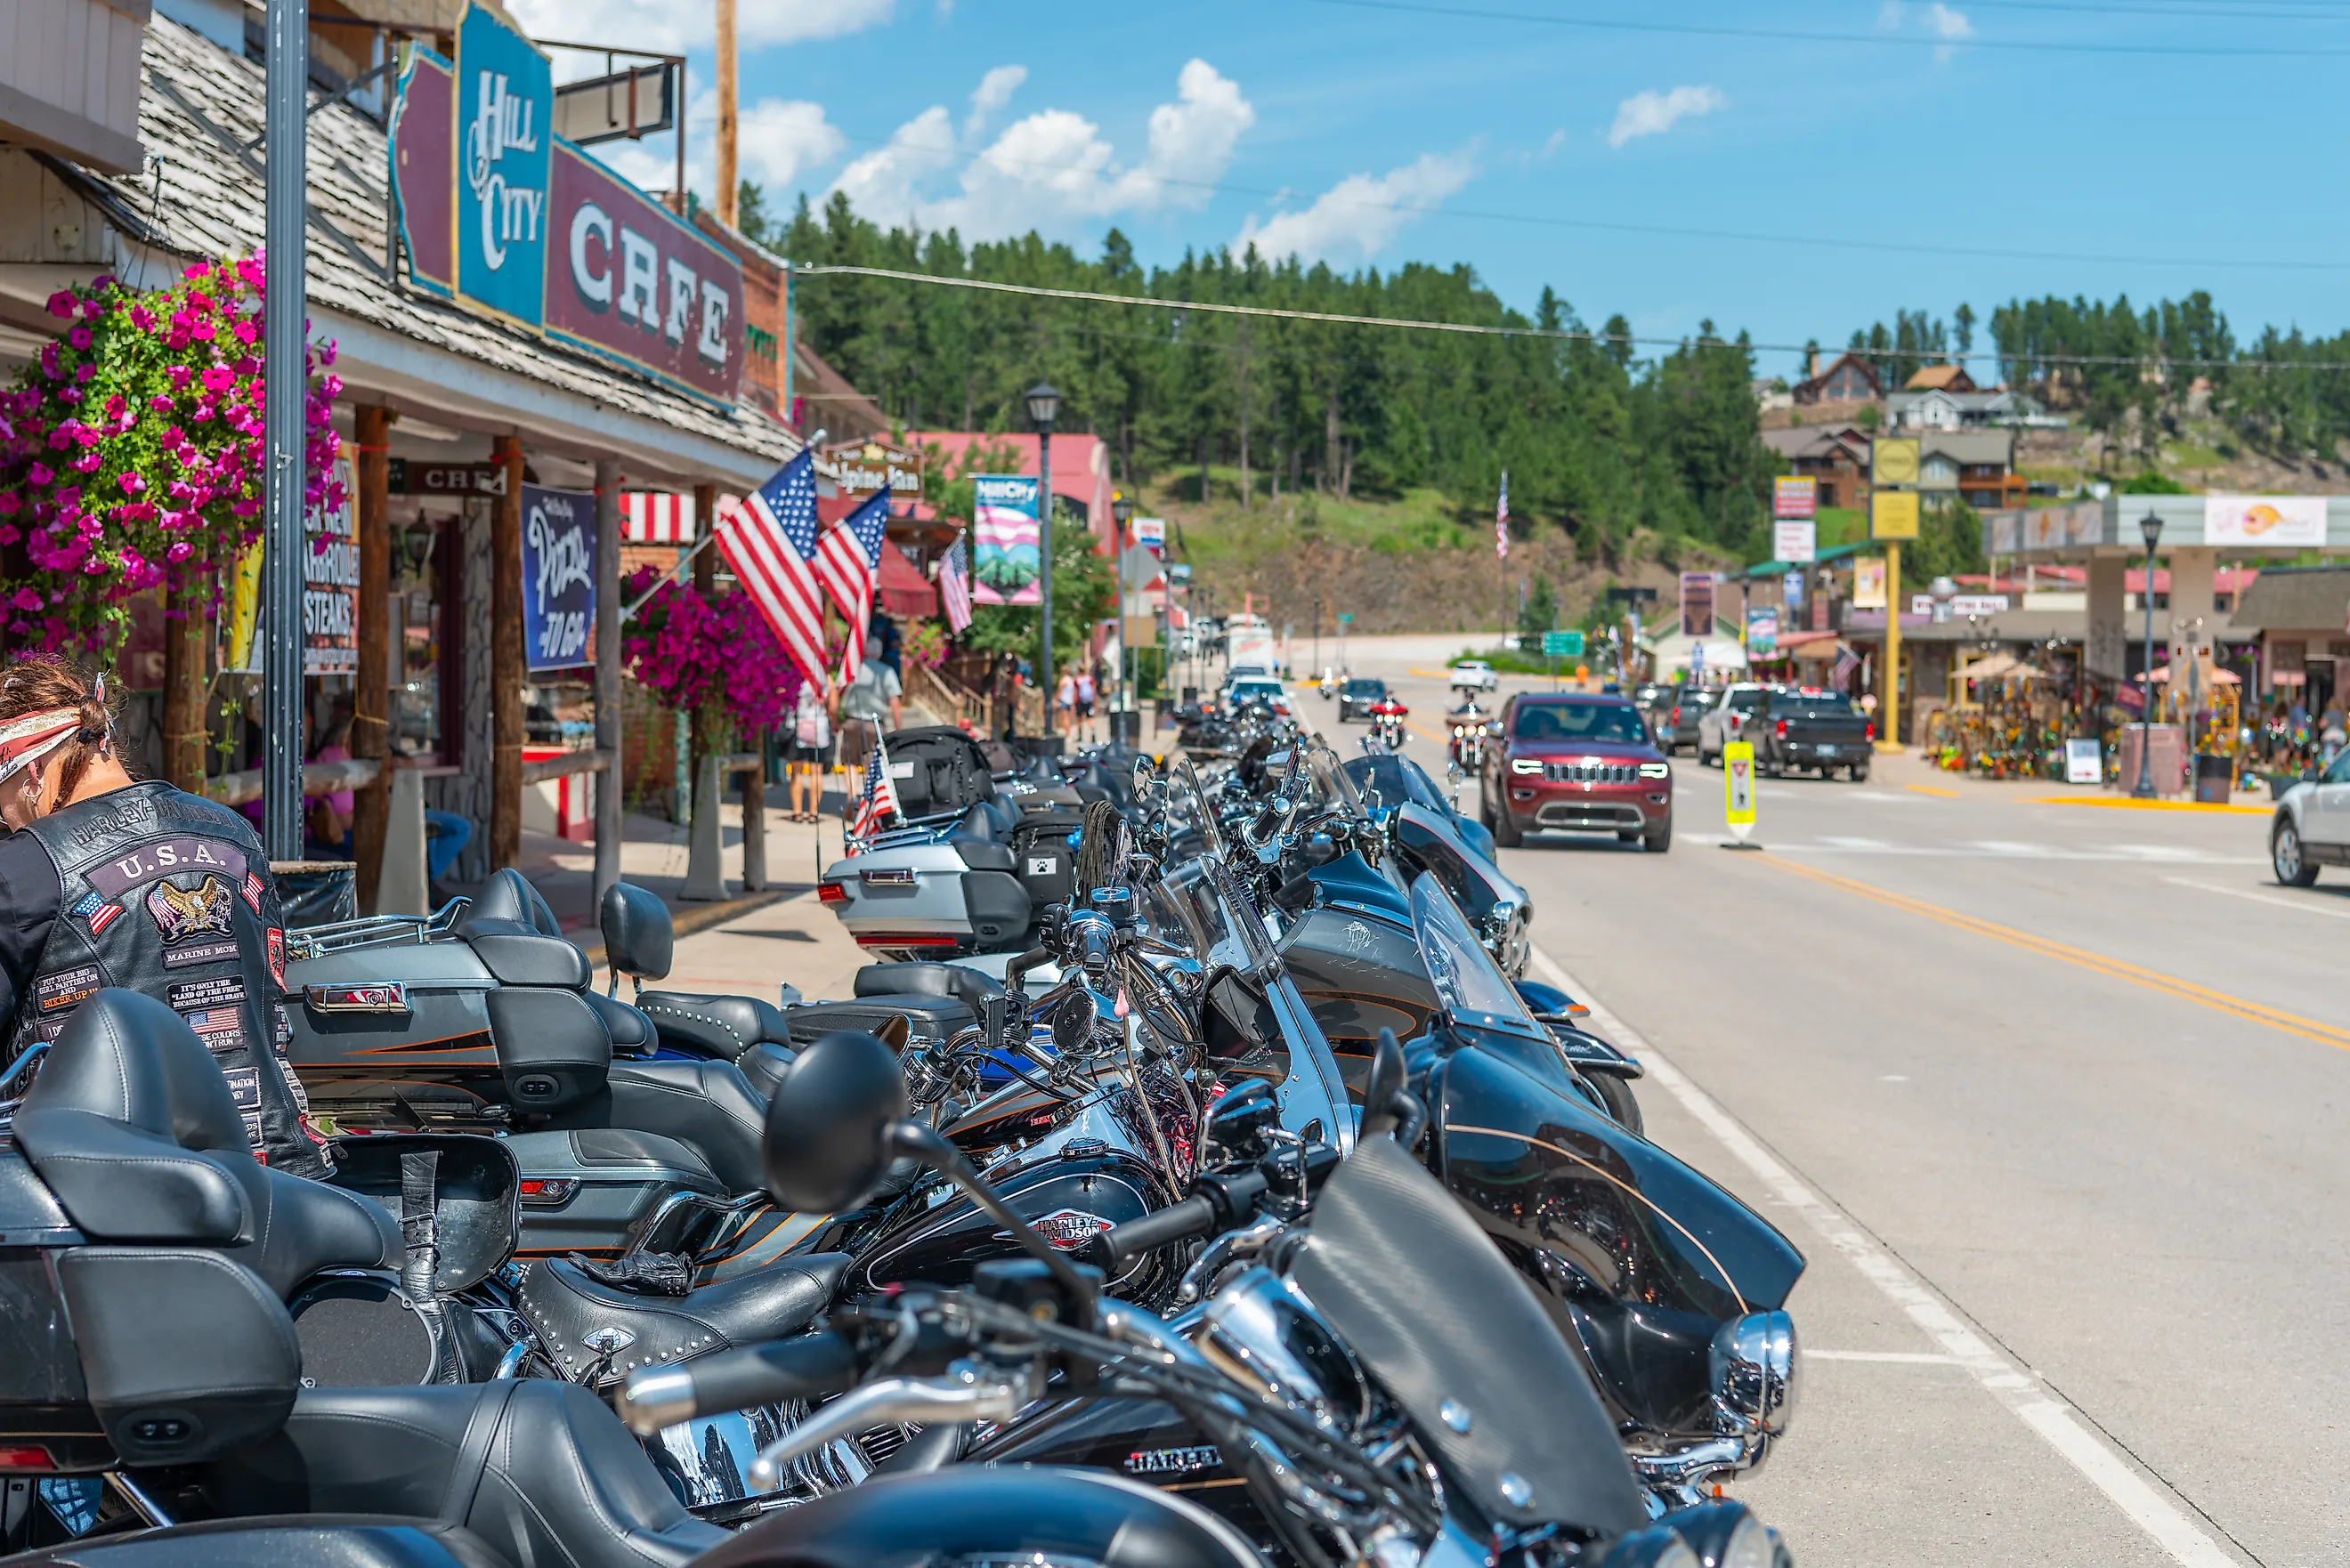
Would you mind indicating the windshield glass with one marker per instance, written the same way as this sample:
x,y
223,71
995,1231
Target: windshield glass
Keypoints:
x,y
1359,687
1394,778
1470,989
1811,702
1619,723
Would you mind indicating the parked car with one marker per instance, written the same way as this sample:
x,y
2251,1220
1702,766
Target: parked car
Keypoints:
x,y
1256,689
1581,763
1654,699
1678,724
1806,727
1474,675
1726,719
2310,827
1356,697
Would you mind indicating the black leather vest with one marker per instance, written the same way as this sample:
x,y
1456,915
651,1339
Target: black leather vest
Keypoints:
x,y
164,892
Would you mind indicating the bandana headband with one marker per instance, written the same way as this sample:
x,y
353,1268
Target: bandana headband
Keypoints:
x,y
26,741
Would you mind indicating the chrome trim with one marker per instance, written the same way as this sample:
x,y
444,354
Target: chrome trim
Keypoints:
x,y
921,1400
373,930
393,1002
510,1364
1589,813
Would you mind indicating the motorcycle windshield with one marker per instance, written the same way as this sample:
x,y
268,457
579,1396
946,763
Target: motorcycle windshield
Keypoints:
x,y
1470,987
1477,1363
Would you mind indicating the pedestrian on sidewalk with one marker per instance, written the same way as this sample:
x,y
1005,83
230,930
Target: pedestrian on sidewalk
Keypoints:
x,y
811,752
1085,695
875,697
1065,703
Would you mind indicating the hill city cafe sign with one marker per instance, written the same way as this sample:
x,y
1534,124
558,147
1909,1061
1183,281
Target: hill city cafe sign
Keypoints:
x,y
508,220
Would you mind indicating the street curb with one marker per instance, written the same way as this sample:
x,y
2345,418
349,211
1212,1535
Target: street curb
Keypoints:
x,y
702,917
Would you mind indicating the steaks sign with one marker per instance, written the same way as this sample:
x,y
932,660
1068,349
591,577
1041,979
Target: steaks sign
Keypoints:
x,y
623,278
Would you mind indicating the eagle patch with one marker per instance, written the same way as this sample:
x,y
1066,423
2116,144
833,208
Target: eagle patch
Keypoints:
x,y
184,914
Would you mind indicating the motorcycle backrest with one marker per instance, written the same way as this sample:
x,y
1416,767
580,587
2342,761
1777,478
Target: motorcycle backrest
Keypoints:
x,y
507,896
639,938
983,994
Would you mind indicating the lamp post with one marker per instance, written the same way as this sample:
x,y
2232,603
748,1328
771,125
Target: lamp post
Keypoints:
x,y
1043,408
2149,528
287,86
1122,512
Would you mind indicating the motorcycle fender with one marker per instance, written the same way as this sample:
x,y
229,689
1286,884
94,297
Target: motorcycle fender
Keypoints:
x,y
990,1513
1593,1054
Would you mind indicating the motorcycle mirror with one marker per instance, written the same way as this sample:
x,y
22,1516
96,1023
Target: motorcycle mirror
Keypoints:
x,y
831,1123
1073,1025
1381,1087
1239,1121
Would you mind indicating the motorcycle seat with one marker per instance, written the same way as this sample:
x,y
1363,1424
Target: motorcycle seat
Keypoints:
x,y
536,1468
709,1105
347,1541
632,1033
565,1306
930,1017
131,1125
722,1025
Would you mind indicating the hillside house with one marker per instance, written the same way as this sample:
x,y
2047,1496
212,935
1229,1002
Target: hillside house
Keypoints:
x,y
1849,378
1941,408
1977,466
1835,455
1939,379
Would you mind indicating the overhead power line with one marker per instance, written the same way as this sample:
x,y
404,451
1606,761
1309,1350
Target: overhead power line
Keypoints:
x,y
1559,334
1885,40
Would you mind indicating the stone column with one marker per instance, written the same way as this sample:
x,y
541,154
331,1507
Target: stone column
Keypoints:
x,y
2191,572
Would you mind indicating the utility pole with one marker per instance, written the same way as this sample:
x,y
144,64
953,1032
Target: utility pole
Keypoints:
x,y
729,184
286,133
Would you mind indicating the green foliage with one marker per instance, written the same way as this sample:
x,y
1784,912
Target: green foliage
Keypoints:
x,y
1948,545
2038,337
1595,442
1540,612
2152,483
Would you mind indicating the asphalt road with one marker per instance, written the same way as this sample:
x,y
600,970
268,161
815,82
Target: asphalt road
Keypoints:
x,y
2052,1097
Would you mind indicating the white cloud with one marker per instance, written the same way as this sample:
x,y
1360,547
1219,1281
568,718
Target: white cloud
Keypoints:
x,y
675,25
1052,170
1946,23
1652,113
1360,216
778,140
995,90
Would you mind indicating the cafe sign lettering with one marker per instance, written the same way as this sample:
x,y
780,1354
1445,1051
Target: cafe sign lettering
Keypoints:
x,y
503,217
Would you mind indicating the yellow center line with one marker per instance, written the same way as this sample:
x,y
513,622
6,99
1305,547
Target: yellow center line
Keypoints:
x,y
1929,789
2123,802
2098,963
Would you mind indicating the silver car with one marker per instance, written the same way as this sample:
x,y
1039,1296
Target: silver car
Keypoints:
x,y
2312,825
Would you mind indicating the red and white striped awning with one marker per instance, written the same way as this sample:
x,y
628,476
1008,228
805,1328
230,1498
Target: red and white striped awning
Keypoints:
x,y
655,517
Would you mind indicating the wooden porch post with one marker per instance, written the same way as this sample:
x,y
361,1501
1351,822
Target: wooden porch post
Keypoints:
x,y
705,583
506,672
371,701
185,681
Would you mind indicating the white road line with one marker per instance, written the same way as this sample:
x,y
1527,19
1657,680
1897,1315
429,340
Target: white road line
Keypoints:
x,y
2004,1379
1890,1358
2123,855
2306,906
2012,846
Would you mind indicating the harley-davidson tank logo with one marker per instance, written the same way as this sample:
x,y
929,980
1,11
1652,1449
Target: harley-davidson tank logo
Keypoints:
x,y
182,914
1172,1462
1069,1229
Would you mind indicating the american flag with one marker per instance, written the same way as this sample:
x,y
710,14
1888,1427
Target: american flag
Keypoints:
x,y
954,586
1502,520
770,544
1840,674
879,803
848,564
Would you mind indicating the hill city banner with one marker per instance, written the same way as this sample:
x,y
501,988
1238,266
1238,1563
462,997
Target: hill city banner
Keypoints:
x,y
1005,557
558,577
505,218
1696,603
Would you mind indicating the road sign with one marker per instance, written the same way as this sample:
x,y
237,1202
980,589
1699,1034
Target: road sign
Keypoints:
x,y
1738,784
1346,619
1562,645
1893,459
1893,513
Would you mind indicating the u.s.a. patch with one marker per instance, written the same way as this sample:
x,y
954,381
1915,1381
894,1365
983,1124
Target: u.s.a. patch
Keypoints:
x,y
182,914
97,911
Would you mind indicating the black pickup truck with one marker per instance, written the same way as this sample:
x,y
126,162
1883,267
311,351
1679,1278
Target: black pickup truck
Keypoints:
x,y
1805,727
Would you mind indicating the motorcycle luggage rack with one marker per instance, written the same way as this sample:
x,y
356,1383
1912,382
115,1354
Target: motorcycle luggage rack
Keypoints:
x,y
16,1078
374,932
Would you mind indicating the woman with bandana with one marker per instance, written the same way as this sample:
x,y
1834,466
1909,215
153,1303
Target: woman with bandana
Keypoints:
x,y
109,881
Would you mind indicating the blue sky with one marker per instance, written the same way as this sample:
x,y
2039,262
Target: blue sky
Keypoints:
x,y
1467,130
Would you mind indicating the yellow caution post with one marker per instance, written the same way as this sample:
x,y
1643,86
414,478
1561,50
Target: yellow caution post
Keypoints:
x,y
1738,791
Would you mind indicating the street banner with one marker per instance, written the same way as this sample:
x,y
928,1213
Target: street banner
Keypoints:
x,y
1696,603
1738,787
1792,589
2291,522
1151,533
330,583
1763,631
1005,554
1869,582
1893,513
1795,498
1962,605
558,577
1797,543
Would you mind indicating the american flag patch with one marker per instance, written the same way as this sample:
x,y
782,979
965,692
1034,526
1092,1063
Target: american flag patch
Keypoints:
x,y
214,1020
252,891
97,911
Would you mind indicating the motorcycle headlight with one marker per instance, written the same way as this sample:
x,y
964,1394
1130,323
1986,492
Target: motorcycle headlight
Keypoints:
x,y
1526,765
1656,770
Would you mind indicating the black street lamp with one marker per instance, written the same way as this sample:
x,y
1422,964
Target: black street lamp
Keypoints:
x,y
1121,511
1043,408
2149,528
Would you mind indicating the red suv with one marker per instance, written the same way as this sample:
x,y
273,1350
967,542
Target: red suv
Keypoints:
x,y
1586,765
